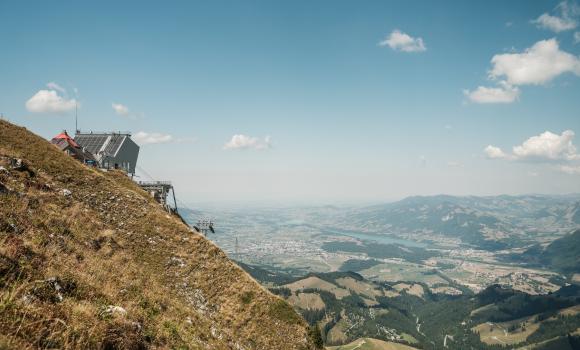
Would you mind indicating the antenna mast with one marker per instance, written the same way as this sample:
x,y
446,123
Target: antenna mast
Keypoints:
x,y
237,249
76,118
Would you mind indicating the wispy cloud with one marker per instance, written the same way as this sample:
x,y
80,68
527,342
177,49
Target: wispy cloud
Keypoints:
x,y
400,41
571,170
240,141
120,109
504,93
145,138
565,18
54,86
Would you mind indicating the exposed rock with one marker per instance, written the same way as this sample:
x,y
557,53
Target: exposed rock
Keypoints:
x,y
66,192
113,310
19,165
8,227
53,289
175,261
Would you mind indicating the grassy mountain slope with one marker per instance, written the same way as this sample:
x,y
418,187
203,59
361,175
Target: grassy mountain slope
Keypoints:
x,y
89,260
564,254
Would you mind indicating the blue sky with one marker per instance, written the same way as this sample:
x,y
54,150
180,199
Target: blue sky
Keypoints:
x,y
330,103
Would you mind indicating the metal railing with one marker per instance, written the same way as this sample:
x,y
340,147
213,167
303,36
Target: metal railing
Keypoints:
x,y
79,132
154,183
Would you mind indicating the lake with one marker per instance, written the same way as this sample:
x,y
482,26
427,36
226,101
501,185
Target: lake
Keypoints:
x,y
379,238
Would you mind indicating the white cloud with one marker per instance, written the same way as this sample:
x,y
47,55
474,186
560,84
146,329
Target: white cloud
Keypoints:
x,y
505,93
49,101
577,38
240,141
537,65
566,19
144,138
493,152
547,147
572,170
400,41
120,109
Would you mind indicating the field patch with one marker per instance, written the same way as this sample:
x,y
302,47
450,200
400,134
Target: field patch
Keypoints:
x,y
570,311
413,289
307,301
507,333
317,283
446,290
371,344
359,287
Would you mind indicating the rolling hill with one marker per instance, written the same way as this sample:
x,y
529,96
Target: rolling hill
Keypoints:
x,y
352,311
89,260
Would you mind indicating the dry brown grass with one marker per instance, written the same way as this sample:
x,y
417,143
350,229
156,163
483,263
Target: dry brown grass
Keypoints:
x,y
66,260
307,301
317,283
371,344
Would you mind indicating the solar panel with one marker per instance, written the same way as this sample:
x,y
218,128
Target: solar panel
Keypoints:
x,y
93,143
114,144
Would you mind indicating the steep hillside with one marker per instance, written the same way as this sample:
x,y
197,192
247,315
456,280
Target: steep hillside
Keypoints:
x,y
562,255
89,260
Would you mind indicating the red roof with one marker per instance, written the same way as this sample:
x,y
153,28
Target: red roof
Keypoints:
x,y
63,135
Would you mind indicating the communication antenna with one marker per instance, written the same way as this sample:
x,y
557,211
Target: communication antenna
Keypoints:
x,y
76,118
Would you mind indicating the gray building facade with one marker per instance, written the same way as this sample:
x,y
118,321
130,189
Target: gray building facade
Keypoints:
x,y
111,150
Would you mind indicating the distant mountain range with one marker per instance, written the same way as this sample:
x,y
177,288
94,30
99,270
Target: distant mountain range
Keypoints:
x,y
486,222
